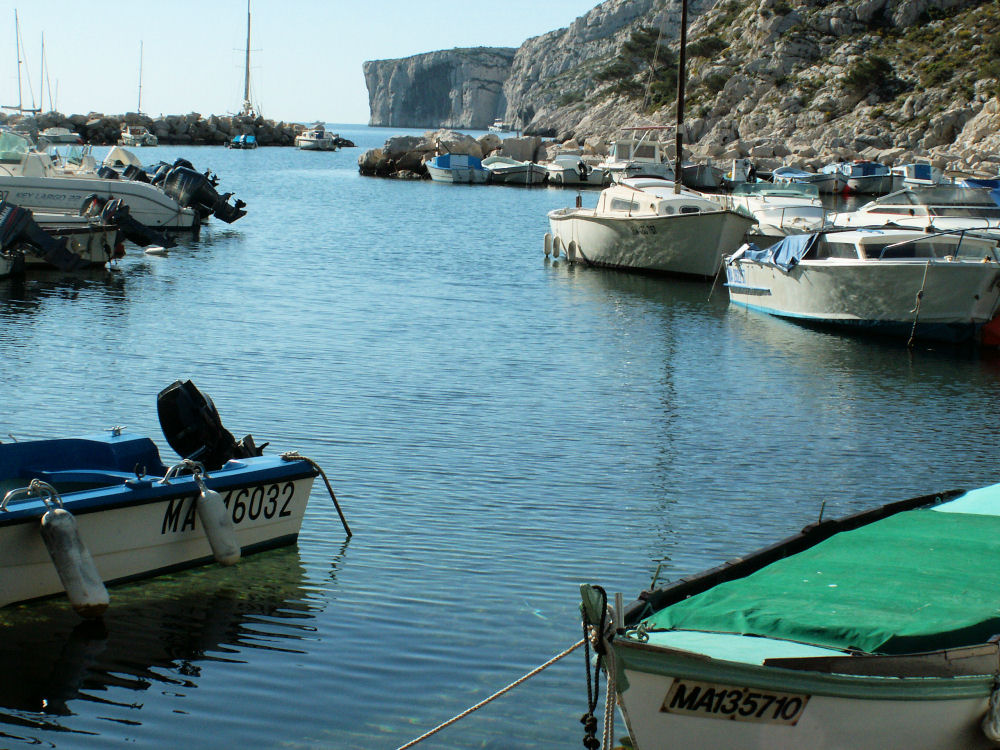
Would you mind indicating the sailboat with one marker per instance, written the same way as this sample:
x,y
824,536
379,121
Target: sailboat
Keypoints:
x,y
137,135
248,109
20,104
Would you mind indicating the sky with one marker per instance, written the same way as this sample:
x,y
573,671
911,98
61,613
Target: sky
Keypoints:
x,y
306,55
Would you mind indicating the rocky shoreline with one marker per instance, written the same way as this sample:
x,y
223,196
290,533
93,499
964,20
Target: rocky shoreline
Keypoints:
x,y
191,129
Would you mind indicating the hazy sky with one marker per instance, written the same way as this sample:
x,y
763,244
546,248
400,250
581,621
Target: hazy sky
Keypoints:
x,y
306,55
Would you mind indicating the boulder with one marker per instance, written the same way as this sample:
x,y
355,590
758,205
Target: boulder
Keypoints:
x,y
524,148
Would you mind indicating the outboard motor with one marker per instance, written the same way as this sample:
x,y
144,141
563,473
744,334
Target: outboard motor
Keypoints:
x,y
116,213
193,428
189,188
17,227
161,173
182,162
134,173
108,173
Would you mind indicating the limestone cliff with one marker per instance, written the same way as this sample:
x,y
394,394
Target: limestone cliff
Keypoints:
x,y
795,80
458,88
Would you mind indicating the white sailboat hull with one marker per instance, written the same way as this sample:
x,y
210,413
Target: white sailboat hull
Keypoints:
x,y
685,244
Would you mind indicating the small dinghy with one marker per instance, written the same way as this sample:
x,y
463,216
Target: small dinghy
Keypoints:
x,y
83,513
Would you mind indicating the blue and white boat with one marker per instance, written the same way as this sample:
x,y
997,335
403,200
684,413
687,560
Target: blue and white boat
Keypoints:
x,y
901,282
917,174
862,176
872,631
83,513
243,142
828,183
457,168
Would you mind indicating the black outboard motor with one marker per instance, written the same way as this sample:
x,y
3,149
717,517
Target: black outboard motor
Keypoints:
x,y
18,227
189,188
134,173
192,426
116,213
161,173
182,162
108,173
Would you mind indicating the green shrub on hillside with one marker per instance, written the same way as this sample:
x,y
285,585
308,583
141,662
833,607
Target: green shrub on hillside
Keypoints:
x,y
646,68
873,74
706,46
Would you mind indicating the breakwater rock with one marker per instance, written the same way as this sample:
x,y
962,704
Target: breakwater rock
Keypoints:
x,y
191,129
458,88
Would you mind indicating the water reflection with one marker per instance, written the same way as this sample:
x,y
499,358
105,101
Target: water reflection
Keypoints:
x,y
160,632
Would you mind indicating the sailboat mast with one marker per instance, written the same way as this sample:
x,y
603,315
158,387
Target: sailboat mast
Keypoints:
x,y
138,106
681,63
247,108
41,77
17,39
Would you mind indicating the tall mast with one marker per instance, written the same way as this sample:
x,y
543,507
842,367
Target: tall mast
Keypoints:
x,y
20,104
41,77
247,106
138,106
681,62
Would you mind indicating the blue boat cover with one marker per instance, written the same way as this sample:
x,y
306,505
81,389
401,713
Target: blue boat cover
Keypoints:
x,y
786,253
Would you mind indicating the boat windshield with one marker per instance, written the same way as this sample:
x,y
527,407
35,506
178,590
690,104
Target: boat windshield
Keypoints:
x,y
790,190
955,246
13,146
68,154
939,195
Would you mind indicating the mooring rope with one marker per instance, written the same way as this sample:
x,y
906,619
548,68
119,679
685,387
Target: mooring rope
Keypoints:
x,y
916,310
296,456
493,697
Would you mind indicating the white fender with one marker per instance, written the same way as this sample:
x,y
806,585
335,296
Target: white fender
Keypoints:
x,y
74,564
219,529
556,246
572,250
547,244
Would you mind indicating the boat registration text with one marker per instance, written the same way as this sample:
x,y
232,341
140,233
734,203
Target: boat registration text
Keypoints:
x,y
730,702
245,504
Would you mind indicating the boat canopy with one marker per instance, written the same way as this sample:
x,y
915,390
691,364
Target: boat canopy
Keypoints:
x,y
861,590
782,190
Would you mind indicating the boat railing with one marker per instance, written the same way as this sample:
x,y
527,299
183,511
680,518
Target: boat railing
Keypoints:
x,y
962,234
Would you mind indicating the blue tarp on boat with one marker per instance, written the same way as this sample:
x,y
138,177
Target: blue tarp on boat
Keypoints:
x,y
786,253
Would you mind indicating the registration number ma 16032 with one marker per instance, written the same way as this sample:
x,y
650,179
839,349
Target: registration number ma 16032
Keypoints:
x,y
730,702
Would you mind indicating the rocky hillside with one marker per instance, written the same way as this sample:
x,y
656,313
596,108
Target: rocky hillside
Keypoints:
x,y
796,81
458,88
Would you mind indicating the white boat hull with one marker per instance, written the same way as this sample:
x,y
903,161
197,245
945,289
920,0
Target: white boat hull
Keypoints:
x,y
147,204
870,184
466,175
525,174
162,536
958,297
839,712
826,183
684,244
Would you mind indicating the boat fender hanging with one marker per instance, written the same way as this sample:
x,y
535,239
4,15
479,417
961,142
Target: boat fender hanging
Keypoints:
x,y
219,529
991,721
571,250
547,244
73,561
556,246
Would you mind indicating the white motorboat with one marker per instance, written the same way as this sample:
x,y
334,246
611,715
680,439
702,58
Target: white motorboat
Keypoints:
x,y
902,282
316,138
57,136
941,207
637,154
32,180
460,168
506,171
917,174
828,183
862,176
703,177
80,513
501,126
569,168
136,135
779,210
866,632
642,224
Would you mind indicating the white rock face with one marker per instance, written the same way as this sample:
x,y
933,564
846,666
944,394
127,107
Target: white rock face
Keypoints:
x,y
458,88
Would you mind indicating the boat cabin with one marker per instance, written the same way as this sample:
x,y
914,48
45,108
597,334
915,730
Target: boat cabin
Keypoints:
x,y
939,200
652,197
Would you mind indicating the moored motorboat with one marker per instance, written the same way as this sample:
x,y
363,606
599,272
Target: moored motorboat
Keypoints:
x,y
899,282
828,183
863,176
779,209
135,516
867,632
704,177
460,168
637,153
136,135
569,168
939,207
506,171
643,224
501,126
316,138
242,142
917,174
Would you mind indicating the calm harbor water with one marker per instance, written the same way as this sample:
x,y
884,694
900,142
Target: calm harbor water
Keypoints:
x,y
498,427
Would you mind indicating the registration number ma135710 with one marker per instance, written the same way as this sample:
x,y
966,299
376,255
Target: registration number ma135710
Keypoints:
x,y
715,701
